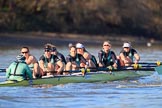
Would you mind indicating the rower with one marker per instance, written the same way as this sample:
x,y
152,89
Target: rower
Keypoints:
x,y
128,55
19,70
74,60
107,57
57,53
89,57
31,61
50,63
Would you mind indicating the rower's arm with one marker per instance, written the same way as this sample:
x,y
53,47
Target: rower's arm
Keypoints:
x,y
122,57
30,60
101,64
41,64
137,57
114,60
87,56
61,66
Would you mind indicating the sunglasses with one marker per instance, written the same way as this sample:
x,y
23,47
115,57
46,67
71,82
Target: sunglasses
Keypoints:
x,y
126,47
24,52
47,50
106,45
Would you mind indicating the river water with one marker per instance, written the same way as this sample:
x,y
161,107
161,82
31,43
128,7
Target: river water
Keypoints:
x,y
136,93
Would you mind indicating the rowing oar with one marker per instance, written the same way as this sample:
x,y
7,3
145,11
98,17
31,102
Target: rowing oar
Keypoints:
x,y
137,66
70,71
107,69
125,69
2,70
158,63
93,69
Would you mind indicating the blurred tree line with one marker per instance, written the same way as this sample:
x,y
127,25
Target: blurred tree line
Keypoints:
x,y
121,17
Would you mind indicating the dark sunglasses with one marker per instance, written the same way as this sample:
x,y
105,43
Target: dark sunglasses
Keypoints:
x,y
24,52
47,50
106,45
126,47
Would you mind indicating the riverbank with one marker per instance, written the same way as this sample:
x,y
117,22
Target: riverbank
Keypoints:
x,y
38,39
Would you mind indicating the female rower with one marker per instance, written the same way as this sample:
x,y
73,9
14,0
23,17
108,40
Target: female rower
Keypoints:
x,y
74,60
128,55
107,57
58,54
50,63
31,61
19,70
92,62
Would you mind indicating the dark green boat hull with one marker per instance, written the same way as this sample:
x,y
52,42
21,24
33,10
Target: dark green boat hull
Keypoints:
x,y
88,78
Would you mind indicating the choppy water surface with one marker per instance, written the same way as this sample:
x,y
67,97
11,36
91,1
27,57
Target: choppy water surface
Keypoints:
x,y
136,93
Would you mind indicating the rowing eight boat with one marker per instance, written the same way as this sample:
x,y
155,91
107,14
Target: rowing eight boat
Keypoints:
x,y
100,76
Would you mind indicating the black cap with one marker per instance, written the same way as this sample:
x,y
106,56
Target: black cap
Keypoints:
x,y
53,48
20,58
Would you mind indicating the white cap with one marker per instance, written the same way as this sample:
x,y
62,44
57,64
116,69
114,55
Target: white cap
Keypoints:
x,y
79,45
126,45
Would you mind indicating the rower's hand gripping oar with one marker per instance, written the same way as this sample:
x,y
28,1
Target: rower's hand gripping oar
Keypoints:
x,y
157,68
84,71
139,65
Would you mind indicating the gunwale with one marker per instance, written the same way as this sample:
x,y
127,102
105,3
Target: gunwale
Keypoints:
x,y
90,77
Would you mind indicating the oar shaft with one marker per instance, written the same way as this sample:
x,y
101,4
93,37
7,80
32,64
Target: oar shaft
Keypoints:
x,y
2,70
63,71
145,68
146,63
124,69
139,66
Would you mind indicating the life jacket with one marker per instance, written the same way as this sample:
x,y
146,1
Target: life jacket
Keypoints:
x,y
46,61
15,74
130,54
107,60
61,57
74,59
92,58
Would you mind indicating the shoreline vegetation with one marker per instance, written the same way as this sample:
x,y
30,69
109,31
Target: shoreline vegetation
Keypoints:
x,y
116,20
38,39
